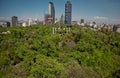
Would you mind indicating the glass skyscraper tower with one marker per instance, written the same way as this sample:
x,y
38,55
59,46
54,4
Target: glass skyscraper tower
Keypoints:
x,y
51,12
68,12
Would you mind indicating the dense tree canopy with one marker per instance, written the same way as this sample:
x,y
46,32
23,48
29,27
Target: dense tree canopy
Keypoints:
x,y
34,52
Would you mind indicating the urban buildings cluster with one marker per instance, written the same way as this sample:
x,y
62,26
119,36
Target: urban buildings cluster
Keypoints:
x,y
66,18
49,18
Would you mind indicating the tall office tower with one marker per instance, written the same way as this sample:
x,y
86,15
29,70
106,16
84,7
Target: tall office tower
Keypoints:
x,y
51,12
82,21
68,12
14,21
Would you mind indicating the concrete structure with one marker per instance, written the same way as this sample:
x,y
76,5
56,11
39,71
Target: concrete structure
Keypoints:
x,y
82,21
7,32
14,21
51,12
116,28
74,23
45,18
48,19
56,30
24,24
68,12
29,22
4,24
62,19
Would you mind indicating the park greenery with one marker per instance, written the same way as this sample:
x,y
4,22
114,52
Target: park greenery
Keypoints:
x,y
34,52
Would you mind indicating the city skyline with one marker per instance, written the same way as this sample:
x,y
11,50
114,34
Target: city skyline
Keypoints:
x,y
100,11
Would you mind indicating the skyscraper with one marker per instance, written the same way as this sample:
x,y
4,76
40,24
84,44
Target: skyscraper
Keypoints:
x,y
68,12
82,21
51,12
14,21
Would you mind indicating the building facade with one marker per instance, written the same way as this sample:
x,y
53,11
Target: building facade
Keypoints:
x,y
51,12
29,23
68,12
48,19
62,19
14,21
82,21
4,24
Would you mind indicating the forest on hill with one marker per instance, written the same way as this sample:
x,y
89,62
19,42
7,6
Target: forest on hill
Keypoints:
x,y
34,52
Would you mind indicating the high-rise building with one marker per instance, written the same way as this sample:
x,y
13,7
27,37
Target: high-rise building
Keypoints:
x,y
14,21
48,19
51,12
82,21
68,12
45,18
62,19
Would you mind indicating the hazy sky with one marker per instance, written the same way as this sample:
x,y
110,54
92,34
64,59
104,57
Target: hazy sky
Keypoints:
x,y
101,11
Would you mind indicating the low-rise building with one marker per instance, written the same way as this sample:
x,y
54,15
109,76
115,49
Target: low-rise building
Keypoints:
x,y
118,28
4,24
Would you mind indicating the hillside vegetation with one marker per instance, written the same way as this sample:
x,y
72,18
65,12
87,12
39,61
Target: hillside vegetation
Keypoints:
x,y
34,52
